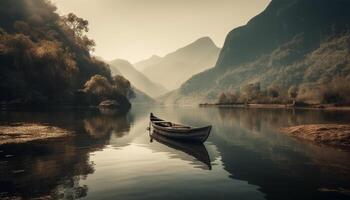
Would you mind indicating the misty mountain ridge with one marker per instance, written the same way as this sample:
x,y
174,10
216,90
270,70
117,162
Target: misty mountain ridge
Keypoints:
x,y
143,64
137,79
298,42
175,68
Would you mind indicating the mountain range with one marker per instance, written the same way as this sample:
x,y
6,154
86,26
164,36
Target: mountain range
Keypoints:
x,y
137,79
153,60
292,42
175,68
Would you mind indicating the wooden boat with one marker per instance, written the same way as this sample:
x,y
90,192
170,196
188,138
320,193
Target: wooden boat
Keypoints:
x,y
178,131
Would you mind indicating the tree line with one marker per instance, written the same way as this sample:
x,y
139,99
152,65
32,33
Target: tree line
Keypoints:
x,y
335,92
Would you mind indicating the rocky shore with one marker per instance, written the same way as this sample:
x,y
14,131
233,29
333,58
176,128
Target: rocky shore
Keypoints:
x,y
23,132
328,134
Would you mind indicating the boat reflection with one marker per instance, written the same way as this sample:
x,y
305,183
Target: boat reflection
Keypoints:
x,y
191,150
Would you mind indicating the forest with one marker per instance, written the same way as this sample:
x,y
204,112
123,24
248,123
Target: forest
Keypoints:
x,y
45,59
318,77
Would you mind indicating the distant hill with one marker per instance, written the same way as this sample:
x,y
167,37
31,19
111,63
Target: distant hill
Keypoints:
x,y
153,60
136,78
305,43
141,98
177,67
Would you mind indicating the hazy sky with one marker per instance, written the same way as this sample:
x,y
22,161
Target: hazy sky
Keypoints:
x,y
136,29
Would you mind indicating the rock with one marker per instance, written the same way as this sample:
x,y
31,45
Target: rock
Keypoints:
x,y
21,133
109,104
329,134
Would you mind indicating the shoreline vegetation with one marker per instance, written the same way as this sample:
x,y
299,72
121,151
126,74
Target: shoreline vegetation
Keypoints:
x,y
20,133
334,95
279,106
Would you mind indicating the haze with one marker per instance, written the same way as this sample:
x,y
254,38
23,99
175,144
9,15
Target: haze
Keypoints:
x,y
136,29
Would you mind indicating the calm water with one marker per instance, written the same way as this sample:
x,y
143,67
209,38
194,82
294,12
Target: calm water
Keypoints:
x,y
111,156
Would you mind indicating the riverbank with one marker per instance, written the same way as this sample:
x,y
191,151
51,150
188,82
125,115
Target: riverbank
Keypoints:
x,y
24,132
279,106
328,134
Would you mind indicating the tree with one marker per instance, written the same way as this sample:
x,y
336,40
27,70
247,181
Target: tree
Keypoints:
x,y
122,85
79,28
99,86
223,98
251,91
293,93
273,91
77,24
231,97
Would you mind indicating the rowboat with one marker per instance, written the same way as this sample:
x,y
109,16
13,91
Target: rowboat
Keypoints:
x,y
178,131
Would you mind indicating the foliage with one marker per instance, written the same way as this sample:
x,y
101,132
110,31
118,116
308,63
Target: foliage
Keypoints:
x,y
45,58
293,92
307,45
251,91
273,91
223,99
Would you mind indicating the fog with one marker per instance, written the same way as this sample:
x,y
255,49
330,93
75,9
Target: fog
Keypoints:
x,y
136,29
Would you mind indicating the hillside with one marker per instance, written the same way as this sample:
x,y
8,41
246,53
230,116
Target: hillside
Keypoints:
x,y
302,43
142,98
45,59
136,78
177,67
143,64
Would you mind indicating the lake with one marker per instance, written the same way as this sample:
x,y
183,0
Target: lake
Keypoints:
x,y
111,156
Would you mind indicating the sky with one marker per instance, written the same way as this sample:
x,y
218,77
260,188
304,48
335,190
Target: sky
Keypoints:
x,y
137,29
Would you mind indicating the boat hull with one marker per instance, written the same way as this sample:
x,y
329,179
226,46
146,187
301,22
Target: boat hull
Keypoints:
x,y
194,135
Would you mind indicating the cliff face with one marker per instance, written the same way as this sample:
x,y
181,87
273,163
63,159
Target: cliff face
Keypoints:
x,y
280,23
283,46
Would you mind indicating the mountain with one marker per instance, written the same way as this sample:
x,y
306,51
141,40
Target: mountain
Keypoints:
x,y
303,43
177,67
142,98
136,78
153,60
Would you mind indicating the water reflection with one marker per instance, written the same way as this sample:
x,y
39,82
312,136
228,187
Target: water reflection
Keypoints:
x,y
193,152
252,149
110,156
54,169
